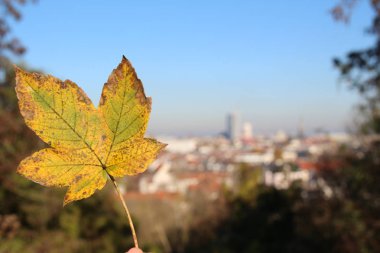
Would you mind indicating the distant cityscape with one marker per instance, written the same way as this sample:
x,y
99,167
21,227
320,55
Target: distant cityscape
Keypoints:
x,y
208,164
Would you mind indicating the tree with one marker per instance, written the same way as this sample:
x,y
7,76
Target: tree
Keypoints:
x,y
360,69
10,44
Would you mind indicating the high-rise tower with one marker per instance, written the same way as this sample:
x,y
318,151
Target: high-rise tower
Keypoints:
x,y
233,128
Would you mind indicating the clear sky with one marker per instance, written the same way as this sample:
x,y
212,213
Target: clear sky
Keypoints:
x,y
200,59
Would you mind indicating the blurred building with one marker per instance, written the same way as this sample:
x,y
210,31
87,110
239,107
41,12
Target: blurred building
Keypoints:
x,y
281,137
233,128
247,131
179,145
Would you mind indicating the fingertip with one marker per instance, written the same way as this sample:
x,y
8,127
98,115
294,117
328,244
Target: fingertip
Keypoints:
x,y
135,250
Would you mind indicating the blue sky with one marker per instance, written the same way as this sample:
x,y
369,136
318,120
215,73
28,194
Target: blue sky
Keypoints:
x,y
268,60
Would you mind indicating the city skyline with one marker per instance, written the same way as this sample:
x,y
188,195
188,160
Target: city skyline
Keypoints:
x,y
199,61
233,128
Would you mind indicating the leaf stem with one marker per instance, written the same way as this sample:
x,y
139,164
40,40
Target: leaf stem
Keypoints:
x,y
126,210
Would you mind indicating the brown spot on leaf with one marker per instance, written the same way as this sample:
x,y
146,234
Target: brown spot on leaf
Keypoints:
x,y
27,111
119,73
102,99
82,97
77,178
149,103
63,85
36,159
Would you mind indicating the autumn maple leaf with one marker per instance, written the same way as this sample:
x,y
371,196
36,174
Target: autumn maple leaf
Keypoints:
x,y
88,145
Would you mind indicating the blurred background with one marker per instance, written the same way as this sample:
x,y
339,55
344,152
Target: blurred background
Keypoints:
x,y
271,110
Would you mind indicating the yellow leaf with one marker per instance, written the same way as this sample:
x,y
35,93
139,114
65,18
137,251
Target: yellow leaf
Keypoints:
x,y
51,167
134,158
60,113
87,144
125,110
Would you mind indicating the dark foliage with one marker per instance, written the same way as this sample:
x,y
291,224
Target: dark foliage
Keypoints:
x,y
8,44
360,70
